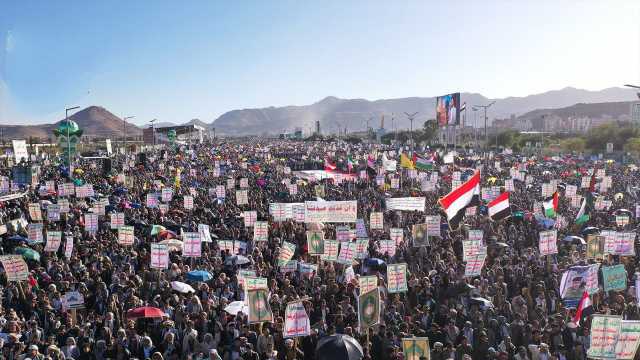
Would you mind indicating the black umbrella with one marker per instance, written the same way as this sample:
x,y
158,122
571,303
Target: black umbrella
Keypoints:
x,y
338,347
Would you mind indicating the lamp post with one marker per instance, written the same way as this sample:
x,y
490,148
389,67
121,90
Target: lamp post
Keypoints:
x,y
66,119
486,137
411,117
124,132
153,131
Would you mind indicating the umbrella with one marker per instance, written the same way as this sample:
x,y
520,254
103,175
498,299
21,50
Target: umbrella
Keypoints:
x,y
338,347
199,275
590,230
145,312
574,239
624,211
236,260
237,306
373,262
482,301
172,244
182,287
28,254
17,238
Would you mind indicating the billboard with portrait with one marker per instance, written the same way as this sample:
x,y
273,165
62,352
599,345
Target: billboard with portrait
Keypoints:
x,y
448,109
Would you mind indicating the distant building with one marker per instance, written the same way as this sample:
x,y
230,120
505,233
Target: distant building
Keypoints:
x,y
635,113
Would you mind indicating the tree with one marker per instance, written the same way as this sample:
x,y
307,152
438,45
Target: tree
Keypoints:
x,y
573,144
633,146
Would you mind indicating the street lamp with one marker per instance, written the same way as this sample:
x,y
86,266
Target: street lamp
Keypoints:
x,y
486,137
124,132
411,117
66,119
153,131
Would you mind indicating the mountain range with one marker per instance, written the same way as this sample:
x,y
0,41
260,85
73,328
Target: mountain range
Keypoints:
x,y
334,113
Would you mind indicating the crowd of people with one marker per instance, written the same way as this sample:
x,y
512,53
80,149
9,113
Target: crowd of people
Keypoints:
x,y
512,309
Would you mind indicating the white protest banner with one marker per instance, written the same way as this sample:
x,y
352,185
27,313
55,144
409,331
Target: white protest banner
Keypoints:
x,y
367,283
221,192
242,197
585,182
476,235
509,186
376,220
362,248
91,222
260,231
255,283
570,190
347,253
54,239
231,184
85,190
250,218
64,205
395,183
159,256
610,237
344,233
622,220
397,235
244,183
547,190
296,320
396,278
282,211
605,330
471,248
330,250
433,225
125,235
53,212
192,246
624,244
34,212
387,247
289,267
68,246
34,232
406,203
117,220
20,150
293,189
242,273
474,265
548,242
226,245
286,252
167,194
205,233
628,340
152,200
361,228
15,267
330,211
188,202
72,300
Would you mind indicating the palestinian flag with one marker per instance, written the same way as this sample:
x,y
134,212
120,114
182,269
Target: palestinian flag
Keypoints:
x,y
369,309
456,202
584,309
499,208
550,205
585,208
350,163
422,164
328,165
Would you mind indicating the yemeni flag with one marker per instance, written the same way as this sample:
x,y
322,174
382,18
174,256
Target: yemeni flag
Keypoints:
x,y
550,205
349,163
328,166
584,309
499,208
585,208
421,163
456,202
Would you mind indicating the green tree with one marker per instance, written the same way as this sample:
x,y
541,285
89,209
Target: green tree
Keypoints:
x,y
573,144
633,146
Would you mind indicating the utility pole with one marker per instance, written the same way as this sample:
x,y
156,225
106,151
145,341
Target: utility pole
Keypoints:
x,y
411,117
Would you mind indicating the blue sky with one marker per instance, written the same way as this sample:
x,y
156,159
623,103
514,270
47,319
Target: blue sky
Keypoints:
x,y
178,60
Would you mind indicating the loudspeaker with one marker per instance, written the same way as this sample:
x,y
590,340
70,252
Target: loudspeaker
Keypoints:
x,y
106,166
142,159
